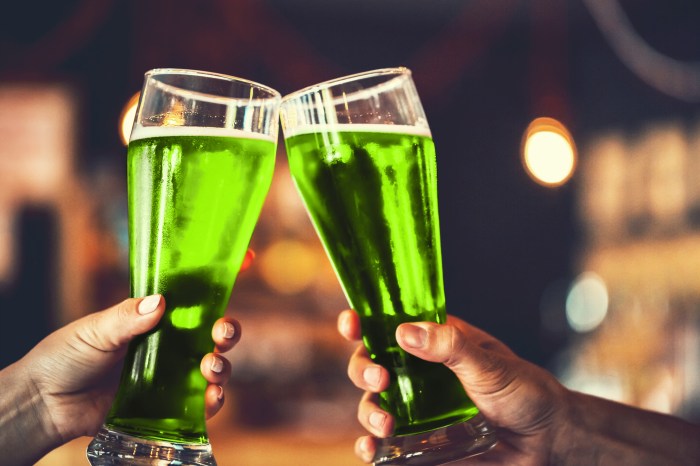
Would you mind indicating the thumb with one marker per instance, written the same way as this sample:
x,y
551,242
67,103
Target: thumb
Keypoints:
x,y
114,328
480,370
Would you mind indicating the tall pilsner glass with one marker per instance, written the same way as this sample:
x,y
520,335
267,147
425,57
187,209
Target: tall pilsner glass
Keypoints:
x,y
362,157
200,162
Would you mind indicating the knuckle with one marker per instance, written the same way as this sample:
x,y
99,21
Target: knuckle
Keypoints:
x,y
123,309
497,374
91,335
455,346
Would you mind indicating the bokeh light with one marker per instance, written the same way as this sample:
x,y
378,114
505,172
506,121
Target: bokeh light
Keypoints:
x,y
289,266
548,152
126,119
587,302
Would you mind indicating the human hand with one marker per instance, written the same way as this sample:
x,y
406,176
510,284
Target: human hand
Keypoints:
x,y
64,386
524,402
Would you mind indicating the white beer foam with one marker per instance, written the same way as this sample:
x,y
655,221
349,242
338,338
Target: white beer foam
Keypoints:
x,y
143,132
360,127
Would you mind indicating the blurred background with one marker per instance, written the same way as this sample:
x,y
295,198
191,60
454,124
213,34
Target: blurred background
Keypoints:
x,y
568,139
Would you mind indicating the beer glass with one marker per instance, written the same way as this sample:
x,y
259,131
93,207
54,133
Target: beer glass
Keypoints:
x,y
200,162
363,159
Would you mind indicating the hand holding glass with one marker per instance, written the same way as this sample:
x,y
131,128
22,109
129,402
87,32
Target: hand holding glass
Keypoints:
x,y
363,159
200,162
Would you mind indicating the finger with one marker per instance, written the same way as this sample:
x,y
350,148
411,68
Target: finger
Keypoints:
x,y
111,329
480,369
377,421
213,399
349,325
215,368
365,374
226,332
365,448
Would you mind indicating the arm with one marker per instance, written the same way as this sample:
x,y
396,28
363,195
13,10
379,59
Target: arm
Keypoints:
x,y
539,421
64,386
26,434
602,432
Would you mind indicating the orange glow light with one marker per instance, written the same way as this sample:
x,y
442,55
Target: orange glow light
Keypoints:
x,y
126,119
548,152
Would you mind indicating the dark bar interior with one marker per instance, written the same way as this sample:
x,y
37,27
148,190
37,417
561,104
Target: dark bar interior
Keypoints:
x,y
590,269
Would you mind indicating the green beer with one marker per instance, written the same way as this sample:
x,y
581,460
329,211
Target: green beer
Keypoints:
x,y
371,191
194,197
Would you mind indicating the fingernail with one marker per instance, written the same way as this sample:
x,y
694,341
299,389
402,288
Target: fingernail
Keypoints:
x,y
216,365
149,304
220,396
371,375
229,330
377,419
413,335
364,449
344,324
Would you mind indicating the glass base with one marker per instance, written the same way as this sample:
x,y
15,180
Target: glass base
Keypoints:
x,y
438,446
112,448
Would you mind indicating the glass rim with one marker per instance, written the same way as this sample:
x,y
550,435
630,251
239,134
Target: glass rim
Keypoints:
x,y
273,94
398,72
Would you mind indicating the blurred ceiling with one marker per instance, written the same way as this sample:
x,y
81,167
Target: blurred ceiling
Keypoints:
x,y
552,51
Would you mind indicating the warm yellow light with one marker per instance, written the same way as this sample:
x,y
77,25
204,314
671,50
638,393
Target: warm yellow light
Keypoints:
x,y
289,266
549,153
126,120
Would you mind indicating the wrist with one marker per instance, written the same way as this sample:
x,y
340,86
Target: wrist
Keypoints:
x,y
600,432
28,433
573,442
